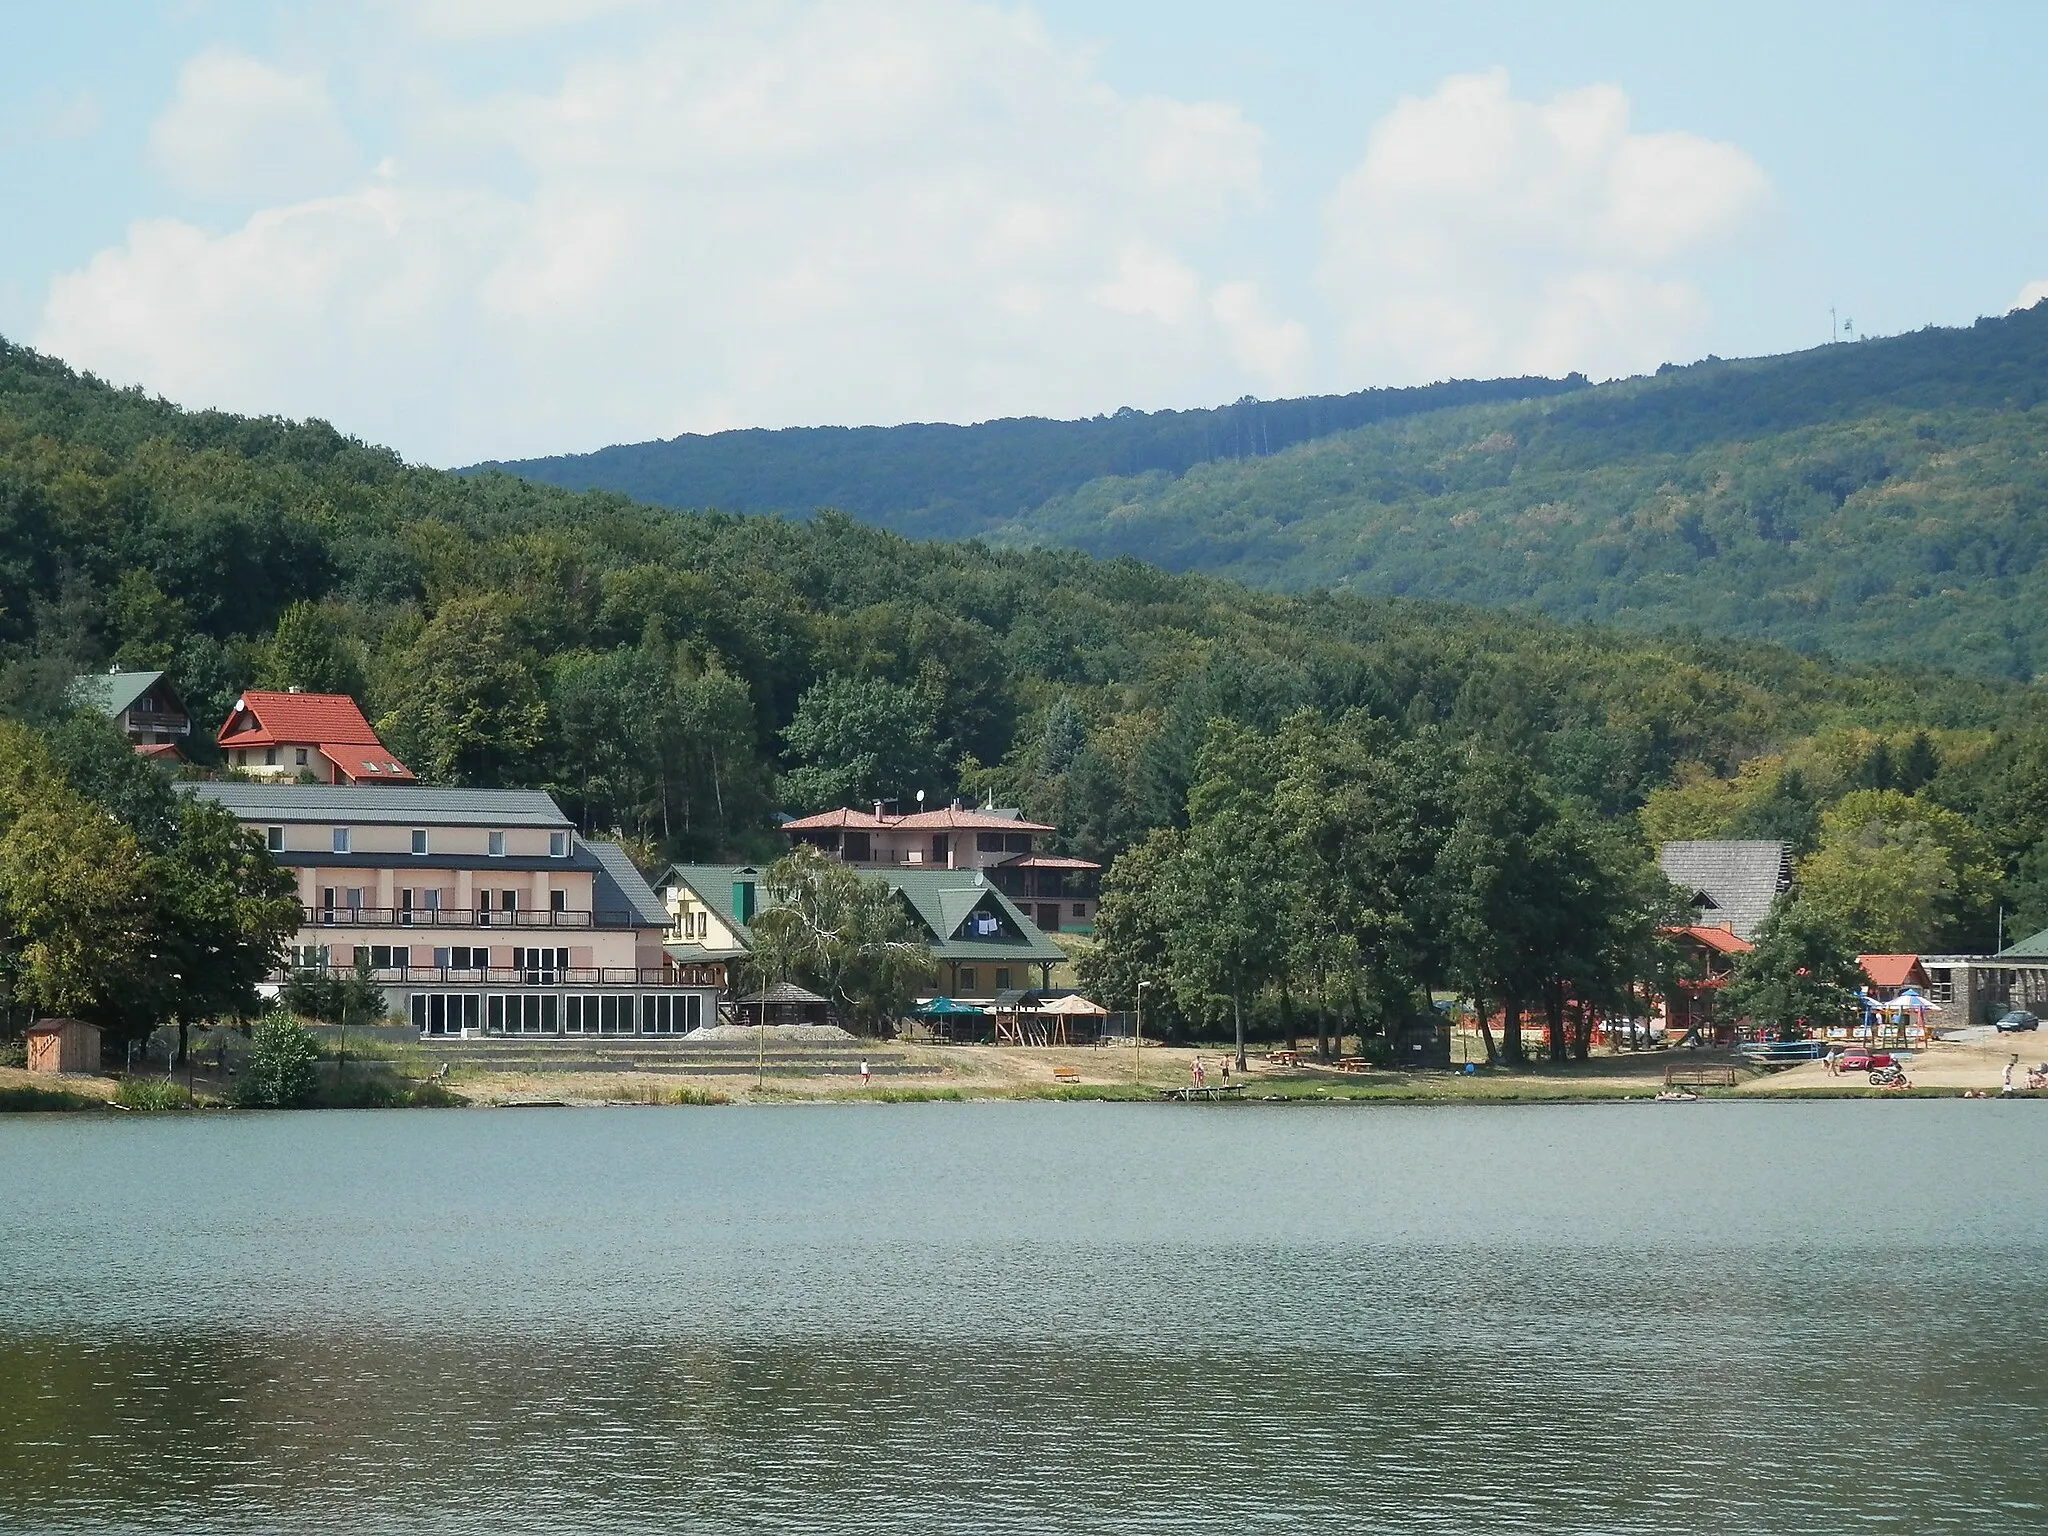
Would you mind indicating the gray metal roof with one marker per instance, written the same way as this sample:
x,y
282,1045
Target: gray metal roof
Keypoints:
x,y
619,887
1733,883
384,804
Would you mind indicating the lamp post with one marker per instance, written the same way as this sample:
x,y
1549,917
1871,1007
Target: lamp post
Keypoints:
x,y
1138,1038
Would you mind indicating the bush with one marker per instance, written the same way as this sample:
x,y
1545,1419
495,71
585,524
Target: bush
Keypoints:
x,y
151,1093
282,1071
13,1053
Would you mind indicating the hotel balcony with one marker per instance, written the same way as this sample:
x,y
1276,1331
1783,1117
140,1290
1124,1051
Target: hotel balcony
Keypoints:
x,y
461,917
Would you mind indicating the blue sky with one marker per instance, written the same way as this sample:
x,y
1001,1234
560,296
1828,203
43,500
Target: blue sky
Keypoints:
x,y
478,228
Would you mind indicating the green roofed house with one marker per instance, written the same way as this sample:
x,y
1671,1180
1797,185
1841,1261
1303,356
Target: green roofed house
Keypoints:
x,y
981,939
144,705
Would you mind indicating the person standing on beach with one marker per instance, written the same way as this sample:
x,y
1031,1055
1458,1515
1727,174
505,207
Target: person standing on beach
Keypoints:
x,y
2007,1088
1195,1073
863,1071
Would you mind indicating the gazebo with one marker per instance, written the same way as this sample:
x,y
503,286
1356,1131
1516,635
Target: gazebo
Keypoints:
x,y
1040,1018
784,1003
942,1013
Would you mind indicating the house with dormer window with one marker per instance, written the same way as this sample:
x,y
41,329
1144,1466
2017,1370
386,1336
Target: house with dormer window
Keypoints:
x,y
982,941
319,736
144,706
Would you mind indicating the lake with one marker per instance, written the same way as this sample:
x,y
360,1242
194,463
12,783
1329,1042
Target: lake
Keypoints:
x,y
1717,1317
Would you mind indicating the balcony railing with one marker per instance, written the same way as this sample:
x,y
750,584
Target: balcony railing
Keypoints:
x,y
521,976
462,917
159,725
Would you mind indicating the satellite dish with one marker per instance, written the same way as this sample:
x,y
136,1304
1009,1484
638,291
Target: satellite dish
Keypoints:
x,y
920,797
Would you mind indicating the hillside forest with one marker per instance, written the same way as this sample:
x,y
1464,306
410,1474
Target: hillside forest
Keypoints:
x,y
682,677
1874,500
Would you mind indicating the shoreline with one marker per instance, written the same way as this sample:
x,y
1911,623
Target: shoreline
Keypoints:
x,y
905,1074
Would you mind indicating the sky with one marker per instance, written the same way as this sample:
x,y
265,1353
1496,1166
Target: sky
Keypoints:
x,y
476,229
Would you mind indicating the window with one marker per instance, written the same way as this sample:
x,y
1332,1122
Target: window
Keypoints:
x,y
988,842
497,845
967,978
558,901
341,839
270,757
1080,909
419,839
302,757
508,901
355,898
558,845
273,839
309,957
386,957
1016,842
1002,978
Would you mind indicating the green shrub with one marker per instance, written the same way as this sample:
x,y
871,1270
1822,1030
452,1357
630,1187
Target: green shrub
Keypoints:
x,y
152,1093
28,1098
13,1053
282,1071
698,1096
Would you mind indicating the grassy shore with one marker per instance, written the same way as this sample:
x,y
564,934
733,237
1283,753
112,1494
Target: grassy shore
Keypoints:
x,y
914,1074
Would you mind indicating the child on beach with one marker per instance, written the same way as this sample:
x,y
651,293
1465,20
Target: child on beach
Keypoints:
x,y
863,1071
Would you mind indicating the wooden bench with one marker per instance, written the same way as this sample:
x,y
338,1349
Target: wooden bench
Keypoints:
x,y
1284,1058
1699,1077
1353,1064
1066,1074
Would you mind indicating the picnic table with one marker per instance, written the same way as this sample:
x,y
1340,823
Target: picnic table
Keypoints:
x,y
1353,1064
1284,1058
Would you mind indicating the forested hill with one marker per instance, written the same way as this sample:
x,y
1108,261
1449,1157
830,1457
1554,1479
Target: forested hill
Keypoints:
x,y
679,677
937,481
1876,500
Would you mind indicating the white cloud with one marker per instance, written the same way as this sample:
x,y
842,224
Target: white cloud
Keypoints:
x,y
2032,294
78,118
464,20
877,211
241,129
1481,234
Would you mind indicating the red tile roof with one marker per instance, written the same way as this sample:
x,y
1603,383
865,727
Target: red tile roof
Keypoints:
x,y
1720,939
1892,970
263,719
1048,861
916,821
328,722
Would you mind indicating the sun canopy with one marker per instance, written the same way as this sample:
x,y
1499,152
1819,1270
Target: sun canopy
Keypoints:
x,y
946,1008
1073,1003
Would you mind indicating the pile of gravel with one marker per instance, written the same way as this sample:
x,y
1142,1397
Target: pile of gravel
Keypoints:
x,y
816,1034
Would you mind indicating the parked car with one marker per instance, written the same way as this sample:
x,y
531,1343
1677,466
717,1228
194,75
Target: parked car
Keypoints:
x,y
1862,1059
2019,1021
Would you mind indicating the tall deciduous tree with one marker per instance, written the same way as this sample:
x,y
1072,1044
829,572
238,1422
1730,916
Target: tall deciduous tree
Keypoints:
x,y
846,936
1802,972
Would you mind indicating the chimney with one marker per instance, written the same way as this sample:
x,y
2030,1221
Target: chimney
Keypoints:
x,y
294,688
878,810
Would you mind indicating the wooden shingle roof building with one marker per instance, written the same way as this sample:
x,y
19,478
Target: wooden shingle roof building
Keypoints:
x,y
1732,885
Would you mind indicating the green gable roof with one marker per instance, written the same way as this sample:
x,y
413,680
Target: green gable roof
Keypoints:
x,y
111,693
2035,948
942,900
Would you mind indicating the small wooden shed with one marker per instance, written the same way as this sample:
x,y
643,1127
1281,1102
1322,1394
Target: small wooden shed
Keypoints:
x,y
63,1045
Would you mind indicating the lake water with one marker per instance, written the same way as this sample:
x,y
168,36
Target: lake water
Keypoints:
x,y
1718,1318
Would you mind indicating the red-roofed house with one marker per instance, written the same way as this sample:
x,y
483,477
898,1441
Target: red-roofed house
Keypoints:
x,y
1693,1004
282,735
1890,975
1055,891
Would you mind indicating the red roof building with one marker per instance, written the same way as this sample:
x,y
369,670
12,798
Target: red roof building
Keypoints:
x,y
1055,892
283,735
1891,974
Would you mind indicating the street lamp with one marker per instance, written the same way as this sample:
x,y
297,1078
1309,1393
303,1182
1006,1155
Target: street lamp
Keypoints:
x,y
1138,1037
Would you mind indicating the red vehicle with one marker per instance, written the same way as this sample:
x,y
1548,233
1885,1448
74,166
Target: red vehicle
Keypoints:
x,y
1862,1059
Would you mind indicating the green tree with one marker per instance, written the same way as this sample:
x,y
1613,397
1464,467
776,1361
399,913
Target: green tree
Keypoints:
x,y
221,911
282,1071
466,705
309,650
1801,975
1898,874
844,935
1133,922
863,738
